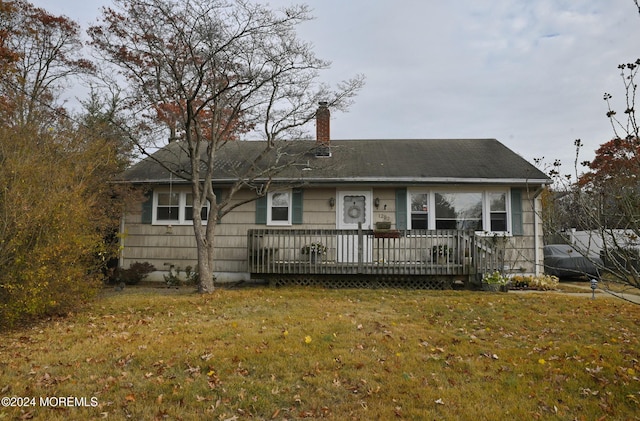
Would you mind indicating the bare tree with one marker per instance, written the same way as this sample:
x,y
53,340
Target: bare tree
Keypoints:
x,y
210,71
41,52
602,197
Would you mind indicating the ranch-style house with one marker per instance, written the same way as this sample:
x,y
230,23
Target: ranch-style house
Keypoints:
x,y
422,212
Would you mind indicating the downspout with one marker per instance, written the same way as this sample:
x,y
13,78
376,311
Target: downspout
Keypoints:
x,y
536,239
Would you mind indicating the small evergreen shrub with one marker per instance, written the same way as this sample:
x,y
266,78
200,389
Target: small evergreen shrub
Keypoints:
x,y
136,273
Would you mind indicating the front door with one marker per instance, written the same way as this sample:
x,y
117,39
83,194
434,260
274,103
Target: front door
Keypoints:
x,y
354,208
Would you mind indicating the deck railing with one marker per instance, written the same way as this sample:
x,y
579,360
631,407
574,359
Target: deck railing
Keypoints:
x,y
391,252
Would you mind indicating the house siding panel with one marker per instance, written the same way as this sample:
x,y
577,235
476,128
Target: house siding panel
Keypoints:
x,y
401,209
153,243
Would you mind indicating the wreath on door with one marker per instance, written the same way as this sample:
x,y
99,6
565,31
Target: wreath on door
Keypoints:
x,y
354,212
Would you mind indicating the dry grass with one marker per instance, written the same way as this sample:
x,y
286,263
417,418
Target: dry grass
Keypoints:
x,y
341,354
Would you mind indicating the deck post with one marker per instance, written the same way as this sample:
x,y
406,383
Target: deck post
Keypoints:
x,y
360,248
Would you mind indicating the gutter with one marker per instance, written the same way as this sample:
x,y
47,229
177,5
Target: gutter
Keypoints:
x,y
367,180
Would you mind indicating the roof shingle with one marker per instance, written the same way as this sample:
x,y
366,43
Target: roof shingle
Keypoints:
x,y
403,161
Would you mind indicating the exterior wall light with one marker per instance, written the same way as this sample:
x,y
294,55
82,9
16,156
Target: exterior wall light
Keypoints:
x,y
332,202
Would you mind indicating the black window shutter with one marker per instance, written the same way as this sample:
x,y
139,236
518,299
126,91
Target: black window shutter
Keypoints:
x,y
401,209
516,212
147,208
261,210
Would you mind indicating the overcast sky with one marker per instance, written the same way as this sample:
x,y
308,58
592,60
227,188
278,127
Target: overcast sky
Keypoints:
x,y
531,74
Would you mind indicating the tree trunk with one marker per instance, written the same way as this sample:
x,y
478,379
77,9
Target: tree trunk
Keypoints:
x,y
205,235
205,248
205,269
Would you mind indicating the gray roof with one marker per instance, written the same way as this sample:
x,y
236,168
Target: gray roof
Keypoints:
x,y
408,161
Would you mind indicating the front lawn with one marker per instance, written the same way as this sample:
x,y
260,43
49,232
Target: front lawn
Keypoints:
x,y
290,353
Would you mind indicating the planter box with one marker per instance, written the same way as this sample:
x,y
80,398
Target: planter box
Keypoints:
x,y
492,287
386,234
383,225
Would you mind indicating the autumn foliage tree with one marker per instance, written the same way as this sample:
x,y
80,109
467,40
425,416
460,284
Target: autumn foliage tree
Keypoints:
x,y
48,236
54,200
605,199
41,52
610,189
210,71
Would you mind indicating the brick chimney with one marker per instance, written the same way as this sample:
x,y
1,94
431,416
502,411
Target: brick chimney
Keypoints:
x,y
322,124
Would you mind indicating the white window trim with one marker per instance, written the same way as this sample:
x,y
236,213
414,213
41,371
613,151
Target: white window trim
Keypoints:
x,y
182,205
486,207
430,199
486,215
288,222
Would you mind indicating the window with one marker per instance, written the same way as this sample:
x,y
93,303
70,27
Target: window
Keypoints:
x,y
168,208
175,208
279,208
188,209
419,211
462,211
498,211
487,210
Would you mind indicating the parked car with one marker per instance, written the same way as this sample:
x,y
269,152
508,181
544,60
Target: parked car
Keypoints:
x,y
627,258
564,261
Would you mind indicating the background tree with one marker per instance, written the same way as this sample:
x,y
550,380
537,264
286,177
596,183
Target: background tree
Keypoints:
x,y
42,52
612,186
211,70
605,198
100,124
55,204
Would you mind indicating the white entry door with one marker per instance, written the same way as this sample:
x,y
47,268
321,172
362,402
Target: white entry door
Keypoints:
x,y
354,207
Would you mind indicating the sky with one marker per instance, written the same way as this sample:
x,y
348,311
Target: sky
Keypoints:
x,y
531,74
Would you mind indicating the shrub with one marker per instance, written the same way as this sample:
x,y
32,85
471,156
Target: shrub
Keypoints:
x,y
137,272
539,282
544,282
495,278
191,277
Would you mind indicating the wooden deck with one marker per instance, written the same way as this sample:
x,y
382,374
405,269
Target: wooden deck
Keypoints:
x,y
367,252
